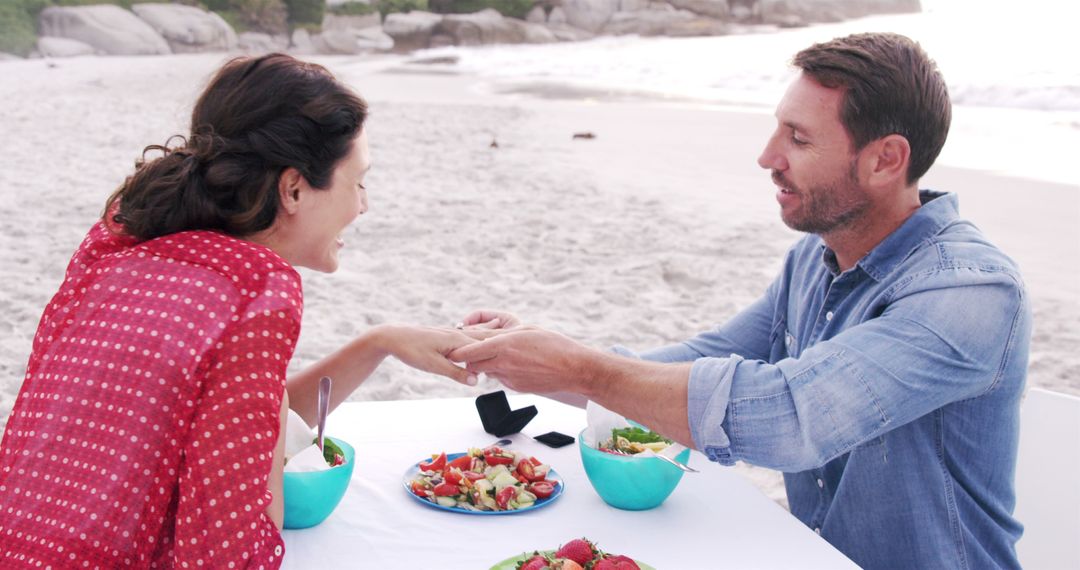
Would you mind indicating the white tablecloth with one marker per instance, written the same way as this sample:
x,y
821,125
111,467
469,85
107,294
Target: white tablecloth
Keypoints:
x,y
714,519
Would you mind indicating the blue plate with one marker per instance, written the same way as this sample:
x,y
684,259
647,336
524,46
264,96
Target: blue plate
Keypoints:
x,y
412,471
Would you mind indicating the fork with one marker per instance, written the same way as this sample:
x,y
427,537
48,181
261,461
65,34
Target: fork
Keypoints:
x,y
682,466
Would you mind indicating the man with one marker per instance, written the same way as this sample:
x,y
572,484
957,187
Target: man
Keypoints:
x,y
882,371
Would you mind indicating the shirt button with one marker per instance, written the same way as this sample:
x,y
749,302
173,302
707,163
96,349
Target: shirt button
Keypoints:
x,y
818,530
277,550
820,484
828,316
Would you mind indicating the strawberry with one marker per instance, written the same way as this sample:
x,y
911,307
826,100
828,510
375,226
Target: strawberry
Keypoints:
x,y
624,562
537,562
604,564
579,550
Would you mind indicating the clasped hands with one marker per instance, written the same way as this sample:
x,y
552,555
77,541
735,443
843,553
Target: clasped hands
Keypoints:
x,y
522,357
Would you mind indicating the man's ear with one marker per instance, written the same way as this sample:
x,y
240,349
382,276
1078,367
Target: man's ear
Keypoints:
x,y
289,189
887,160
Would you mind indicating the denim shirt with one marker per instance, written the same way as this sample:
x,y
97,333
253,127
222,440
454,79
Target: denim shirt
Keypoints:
x,y
888,394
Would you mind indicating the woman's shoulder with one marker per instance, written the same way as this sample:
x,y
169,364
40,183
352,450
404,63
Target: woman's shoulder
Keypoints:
x,y
243,262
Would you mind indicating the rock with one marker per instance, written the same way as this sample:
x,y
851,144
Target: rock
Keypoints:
x,y
256,42
188,29
374,39
489,27
109,29
63,47
411,30
697,27
646,22
557,16
633,5
590,15
537,15
441,40
4,56
565,33
710,8
352,42
335,22
301,42
336,42
798,12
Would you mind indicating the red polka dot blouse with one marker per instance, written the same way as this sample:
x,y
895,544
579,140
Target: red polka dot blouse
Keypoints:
x,y
144,431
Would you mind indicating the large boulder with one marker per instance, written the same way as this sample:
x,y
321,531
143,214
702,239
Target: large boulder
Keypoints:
x,y
590,15
557,16
489,27
63,47
188,29
566,33
710,8
646,22
109,29
257,42
374,39
411,30
300,42
785,12
537,15
352,42
336,22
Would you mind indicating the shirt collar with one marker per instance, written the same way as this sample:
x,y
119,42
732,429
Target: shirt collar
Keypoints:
x,y
938,210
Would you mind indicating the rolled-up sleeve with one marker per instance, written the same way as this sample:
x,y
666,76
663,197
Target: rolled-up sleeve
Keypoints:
x,y
918,355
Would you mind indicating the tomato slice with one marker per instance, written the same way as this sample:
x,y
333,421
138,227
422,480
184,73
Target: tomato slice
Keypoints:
x,y
452,476
419,489
446,490
542,489
473,475
504,496
464,462
437,463
496,456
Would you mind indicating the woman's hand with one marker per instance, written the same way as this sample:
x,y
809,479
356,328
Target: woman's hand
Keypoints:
x,y
485,319
426,348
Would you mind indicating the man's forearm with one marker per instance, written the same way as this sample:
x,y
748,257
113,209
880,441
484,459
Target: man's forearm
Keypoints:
x,y
649,393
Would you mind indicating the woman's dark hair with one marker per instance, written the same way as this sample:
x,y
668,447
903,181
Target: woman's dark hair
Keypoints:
x,y
890,87
257,117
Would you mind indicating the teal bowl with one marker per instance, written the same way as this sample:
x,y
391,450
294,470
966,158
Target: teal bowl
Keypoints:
x,y
630,483
311,496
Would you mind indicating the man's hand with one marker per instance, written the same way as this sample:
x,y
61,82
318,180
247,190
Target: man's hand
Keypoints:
x,y
427,349
528,359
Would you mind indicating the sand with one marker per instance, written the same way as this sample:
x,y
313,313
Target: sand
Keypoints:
x,y
657,228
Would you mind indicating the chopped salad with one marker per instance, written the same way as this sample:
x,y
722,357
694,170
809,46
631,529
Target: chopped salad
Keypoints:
x,y
489,479
633,440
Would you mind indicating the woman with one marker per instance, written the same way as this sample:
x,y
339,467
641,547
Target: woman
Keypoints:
x,y
149,428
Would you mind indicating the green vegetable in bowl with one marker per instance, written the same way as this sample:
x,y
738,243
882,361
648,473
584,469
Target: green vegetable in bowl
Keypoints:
x,y
634,440
331,452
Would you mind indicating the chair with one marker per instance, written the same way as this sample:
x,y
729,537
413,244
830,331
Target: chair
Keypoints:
x,y
1048,481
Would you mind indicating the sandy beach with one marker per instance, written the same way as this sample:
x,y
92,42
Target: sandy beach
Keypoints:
x,y
660,226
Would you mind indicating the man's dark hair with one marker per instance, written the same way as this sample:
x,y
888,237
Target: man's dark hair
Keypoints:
x,y
890,87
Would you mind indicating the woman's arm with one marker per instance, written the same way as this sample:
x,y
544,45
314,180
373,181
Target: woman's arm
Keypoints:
x,y
424,348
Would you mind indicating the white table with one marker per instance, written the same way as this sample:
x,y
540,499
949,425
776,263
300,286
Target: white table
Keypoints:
x,y
714,519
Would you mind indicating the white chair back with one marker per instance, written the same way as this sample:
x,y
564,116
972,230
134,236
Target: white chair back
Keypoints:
x,y
1048,481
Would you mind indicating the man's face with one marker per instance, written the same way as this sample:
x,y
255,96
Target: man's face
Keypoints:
x,y
812,163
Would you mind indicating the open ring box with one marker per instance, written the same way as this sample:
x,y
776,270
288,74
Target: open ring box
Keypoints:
x,y
498,419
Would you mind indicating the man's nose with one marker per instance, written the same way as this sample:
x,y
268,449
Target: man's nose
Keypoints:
x,y
770,158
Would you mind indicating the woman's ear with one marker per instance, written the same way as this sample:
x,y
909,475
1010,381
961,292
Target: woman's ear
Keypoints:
x,y
289,186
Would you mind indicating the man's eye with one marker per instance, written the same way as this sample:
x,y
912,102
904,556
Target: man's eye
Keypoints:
x,y
797,141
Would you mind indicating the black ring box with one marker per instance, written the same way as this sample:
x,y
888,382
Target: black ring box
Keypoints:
x,y
497,417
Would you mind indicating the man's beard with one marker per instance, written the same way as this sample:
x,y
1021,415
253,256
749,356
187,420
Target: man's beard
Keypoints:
x,y
827,208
